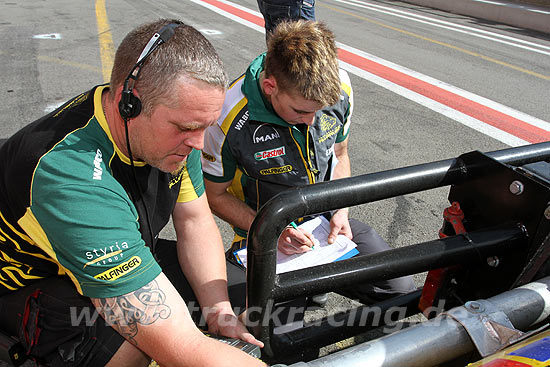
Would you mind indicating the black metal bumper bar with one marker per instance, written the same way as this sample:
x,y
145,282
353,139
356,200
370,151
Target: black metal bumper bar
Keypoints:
x,y
262,282
470,248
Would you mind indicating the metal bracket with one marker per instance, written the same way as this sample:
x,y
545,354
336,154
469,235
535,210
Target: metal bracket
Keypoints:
x,y
488,327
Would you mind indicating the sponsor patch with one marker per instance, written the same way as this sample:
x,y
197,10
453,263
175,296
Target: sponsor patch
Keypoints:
x,y
272,153
328,126
98,171
208,157
176,176
242,120
104,255
120,270
265,132
327,122
276,170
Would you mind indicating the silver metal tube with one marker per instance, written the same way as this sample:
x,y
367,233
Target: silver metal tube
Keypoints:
x,y
441,339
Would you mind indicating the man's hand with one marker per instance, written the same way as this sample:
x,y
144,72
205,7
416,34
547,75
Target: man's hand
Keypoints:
x,y
339,224
295,241
224,322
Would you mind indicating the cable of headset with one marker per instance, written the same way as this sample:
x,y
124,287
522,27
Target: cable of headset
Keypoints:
x,y
130,105
138,186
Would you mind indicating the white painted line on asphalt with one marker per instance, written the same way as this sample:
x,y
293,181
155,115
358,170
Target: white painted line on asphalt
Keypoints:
x,y
492,36
524,7
49,36
453,114
210,32
534,121
464,27
253,20
244,21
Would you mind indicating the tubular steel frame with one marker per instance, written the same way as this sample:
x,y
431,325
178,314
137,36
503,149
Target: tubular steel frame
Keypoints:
x,y
264,286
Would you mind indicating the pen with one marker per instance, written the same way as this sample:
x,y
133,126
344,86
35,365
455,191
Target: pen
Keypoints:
x,y
293,225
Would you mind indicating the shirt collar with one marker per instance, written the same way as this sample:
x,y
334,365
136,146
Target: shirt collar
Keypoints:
x,y
258,106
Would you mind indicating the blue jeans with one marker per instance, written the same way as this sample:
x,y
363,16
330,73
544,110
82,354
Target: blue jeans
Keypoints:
x,y
274,11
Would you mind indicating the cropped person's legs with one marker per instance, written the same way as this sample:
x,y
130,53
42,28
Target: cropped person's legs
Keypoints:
x,y
59,327
369,242
307,10
275,11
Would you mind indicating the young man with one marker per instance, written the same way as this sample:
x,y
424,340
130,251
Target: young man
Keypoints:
x,y
84,193
285,123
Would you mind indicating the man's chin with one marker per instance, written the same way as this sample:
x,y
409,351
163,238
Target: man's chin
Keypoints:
x,y
179,167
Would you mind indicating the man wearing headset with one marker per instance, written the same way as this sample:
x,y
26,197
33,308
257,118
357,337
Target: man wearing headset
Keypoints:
x,y
84,193
285,123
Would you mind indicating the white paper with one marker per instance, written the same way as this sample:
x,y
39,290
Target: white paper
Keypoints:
x,y
323,253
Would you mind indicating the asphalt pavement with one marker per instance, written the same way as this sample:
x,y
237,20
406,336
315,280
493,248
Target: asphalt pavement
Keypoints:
x,y
429,84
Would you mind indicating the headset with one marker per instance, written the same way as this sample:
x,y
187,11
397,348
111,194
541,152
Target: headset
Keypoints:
x,y
130,105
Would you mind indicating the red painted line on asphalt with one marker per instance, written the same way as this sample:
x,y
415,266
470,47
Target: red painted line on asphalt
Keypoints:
x,y
487,115
237,12
502,121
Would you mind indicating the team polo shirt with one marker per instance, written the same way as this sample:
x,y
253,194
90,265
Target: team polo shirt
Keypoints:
x,y
70,205
260,153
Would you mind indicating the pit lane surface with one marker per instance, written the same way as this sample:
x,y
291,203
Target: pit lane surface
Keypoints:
x,y
428,85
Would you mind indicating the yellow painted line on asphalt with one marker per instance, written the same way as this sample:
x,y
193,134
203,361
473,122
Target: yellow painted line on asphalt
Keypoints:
x,y
471,53
69,63
106,47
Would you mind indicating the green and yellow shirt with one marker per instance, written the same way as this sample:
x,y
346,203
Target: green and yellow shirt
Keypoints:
x,y
69,204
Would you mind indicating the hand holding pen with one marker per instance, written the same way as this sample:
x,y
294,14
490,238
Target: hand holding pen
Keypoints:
x,y
294,240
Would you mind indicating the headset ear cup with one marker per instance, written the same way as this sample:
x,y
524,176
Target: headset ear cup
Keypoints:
x,y
130,109
135,104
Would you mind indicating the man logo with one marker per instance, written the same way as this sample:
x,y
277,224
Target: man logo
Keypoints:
x,y
265,132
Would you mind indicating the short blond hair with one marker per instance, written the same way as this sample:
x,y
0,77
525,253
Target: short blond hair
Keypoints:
x,y
303,58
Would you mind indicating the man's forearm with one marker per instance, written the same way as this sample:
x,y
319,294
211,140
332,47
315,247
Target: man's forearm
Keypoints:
x,y
232,210
155,319
343,167
201,256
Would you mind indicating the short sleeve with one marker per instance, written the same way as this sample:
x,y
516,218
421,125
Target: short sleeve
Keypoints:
x,y
348,90
192,183
92,231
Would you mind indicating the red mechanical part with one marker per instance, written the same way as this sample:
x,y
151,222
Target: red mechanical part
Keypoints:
x,y
453,215
436,278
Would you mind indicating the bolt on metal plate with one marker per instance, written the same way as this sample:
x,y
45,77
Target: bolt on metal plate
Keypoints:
x,y
516,188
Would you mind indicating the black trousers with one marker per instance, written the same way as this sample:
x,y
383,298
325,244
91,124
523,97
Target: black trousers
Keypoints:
x,y
60,327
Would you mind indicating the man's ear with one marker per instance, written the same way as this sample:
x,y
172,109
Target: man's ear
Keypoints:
x,y
269,86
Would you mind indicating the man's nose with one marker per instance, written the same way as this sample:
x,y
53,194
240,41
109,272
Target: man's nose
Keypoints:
x,y
309,119
195,140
